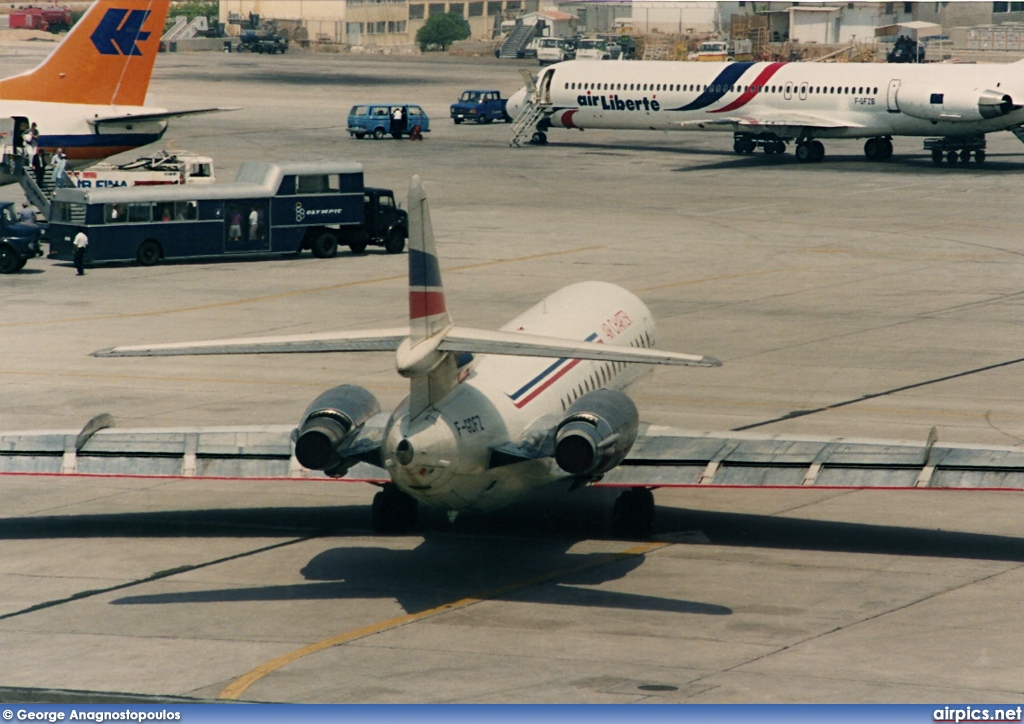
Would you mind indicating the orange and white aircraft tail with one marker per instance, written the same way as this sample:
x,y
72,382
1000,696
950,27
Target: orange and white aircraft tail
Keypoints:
x,y
106,59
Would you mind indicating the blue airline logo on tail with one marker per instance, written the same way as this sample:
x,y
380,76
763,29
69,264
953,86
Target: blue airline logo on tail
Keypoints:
x,y
119,30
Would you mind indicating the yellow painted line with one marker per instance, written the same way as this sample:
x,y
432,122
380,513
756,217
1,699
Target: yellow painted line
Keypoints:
x,y
294,293
235,689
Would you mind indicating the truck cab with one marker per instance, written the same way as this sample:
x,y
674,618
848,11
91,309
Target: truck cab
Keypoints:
x,y
18,242
552,50
479,106
386,225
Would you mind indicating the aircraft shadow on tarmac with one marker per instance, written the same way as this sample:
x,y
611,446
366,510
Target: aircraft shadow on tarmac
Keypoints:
x,y
442,568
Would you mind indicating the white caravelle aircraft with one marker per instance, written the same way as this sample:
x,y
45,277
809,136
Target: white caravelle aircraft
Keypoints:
x,y
768,105
490,415
88,96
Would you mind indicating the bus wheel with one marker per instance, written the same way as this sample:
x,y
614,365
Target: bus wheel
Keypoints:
x,y
325,246
360,135
149,253
8,260
395,242
357,247
378,133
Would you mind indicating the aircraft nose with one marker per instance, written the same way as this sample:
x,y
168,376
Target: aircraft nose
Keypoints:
x,y
515,103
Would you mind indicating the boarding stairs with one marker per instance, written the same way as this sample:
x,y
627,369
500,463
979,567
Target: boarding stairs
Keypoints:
x,y
655,49
525,124
517,40
185,30
18,166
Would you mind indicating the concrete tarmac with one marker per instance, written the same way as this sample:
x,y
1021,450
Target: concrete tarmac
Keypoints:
x,y
845,298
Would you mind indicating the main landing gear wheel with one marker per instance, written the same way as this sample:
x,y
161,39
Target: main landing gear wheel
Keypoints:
x,y
539,138
936,156
744,146
393,511
774,147
633,514
880,149
810,151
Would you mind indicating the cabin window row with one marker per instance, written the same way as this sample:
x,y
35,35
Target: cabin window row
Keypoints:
x,y
721,88
603,374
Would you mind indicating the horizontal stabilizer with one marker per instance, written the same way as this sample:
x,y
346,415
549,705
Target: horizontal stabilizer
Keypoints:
x,y
479,341
160,116
383,340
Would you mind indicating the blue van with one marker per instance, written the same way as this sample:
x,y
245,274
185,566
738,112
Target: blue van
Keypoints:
x,y
380,119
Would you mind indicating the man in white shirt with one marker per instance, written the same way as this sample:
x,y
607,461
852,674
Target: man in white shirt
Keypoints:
x,y
80,243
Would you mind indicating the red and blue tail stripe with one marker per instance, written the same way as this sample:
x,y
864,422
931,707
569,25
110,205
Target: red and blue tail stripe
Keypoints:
x,y
545,379
426,295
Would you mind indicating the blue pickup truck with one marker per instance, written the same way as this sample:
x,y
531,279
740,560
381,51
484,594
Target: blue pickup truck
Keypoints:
x,y
480,106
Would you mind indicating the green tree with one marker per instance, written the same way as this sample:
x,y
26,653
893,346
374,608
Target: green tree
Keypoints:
x,y
441,30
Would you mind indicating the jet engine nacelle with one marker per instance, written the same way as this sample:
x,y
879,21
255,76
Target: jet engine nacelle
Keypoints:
x,y
328,423
963,104
597,433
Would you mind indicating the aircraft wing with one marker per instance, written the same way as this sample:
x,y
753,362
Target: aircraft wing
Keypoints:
x,y
479,341
156,116
384,340
661,457
789,119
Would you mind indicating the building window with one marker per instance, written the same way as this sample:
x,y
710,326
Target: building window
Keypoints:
x,y
416,12
513,5
908,8
476,10
1000,7
459,8
1016,7
435,9
494,8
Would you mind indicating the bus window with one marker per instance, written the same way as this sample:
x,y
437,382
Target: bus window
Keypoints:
x,y
415,111
140,212
312,184
164,211
66,212
185,211
201,170
115,213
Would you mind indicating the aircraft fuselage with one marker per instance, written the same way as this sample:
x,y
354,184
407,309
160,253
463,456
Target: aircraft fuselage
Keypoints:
x,y
501,397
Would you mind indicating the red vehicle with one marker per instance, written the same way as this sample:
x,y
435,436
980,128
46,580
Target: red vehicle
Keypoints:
x,y
53,19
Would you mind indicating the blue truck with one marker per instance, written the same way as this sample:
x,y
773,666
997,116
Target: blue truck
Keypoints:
x,y
280,208
18,242
480,106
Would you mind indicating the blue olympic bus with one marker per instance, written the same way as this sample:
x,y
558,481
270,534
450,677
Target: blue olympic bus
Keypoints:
x,y
270,208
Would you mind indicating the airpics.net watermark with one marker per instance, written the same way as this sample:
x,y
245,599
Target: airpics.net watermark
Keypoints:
x,y
975,714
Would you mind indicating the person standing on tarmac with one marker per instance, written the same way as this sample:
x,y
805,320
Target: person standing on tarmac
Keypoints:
x,y
80,243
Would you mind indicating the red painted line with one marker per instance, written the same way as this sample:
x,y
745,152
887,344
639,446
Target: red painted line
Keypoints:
x,y
547,384
122,476
748,96
698,486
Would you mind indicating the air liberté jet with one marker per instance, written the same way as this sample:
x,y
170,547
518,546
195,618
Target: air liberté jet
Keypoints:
x,y
88,96
767,105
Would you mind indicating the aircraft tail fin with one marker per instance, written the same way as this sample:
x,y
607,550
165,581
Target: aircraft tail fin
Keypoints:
x,y
106,58
428,311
